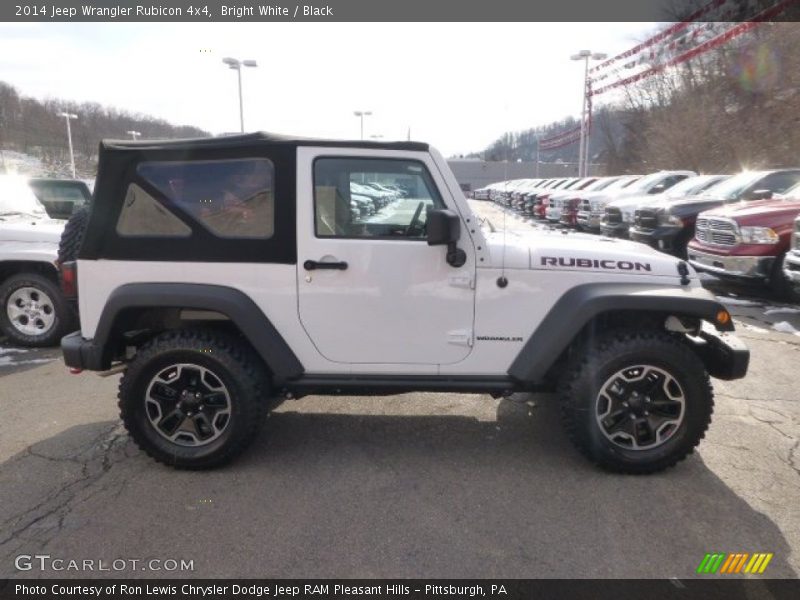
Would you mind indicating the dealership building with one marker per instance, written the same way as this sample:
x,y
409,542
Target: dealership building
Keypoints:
x,y
473,173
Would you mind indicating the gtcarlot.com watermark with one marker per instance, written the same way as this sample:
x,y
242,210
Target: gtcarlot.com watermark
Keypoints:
x,y
46,562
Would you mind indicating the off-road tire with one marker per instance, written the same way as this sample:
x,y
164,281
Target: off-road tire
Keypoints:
x,y
604,356
62,314
72,236
231,360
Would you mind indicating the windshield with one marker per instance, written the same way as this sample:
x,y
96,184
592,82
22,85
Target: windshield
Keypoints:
x,y
793,193
16,197
600,184
623,182
646,182
688,187
731,188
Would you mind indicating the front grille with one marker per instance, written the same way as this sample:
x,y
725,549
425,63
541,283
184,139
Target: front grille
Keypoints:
x,y
586,206
552,203
718,232
645,219
613,215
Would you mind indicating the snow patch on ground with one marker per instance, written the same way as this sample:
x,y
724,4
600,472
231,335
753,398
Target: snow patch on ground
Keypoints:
x,y
785,327
8,361
738,301
782,310
12,351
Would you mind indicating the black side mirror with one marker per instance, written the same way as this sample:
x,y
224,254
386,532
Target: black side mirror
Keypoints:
x,y
444,228
760,195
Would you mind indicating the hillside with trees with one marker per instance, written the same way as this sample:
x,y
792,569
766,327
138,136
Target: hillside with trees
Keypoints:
x,y
733,108
33,129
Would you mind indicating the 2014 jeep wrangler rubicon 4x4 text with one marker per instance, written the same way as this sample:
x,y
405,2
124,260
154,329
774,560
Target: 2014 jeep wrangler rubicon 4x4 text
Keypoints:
x,y
224,275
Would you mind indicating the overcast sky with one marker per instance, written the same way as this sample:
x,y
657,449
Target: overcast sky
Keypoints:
x,y
457,86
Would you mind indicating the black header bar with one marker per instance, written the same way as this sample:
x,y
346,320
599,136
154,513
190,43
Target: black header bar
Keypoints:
x,y
209,11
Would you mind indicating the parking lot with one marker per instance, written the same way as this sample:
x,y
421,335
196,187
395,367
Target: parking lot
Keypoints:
x,y
416,485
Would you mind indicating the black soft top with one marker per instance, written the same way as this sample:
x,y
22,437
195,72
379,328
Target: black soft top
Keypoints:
x,y
258,139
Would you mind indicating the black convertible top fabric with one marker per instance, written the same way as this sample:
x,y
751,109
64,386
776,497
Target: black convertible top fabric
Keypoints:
x,y
258,139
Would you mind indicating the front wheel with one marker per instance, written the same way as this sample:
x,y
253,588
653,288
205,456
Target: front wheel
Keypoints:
x,y
636,402
193,400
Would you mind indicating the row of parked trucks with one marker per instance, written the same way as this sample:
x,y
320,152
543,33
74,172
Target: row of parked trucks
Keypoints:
x,y
737,227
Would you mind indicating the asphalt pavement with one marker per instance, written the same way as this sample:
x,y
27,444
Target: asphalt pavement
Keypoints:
x,y
413,485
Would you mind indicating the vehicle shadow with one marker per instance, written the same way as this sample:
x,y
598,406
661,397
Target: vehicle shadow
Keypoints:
x,y
345,495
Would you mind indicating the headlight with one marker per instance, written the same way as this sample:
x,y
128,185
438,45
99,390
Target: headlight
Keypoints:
x,y
668,219
595,205
758,235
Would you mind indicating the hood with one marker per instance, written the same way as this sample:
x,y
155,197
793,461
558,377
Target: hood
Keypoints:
x,y
689,206
756,208
552,250
632,202
30,229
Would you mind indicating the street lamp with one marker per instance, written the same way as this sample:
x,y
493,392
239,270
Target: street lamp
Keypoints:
x,y
361,114
68,117
236,65
583,152
134,134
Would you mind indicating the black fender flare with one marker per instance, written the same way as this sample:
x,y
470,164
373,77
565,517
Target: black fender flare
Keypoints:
x,y
584,302
234,304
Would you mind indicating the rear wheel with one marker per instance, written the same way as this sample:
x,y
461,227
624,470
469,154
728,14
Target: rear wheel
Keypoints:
x,y
636,402
33,312
193,400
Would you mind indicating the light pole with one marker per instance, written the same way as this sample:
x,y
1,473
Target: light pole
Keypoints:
x,y
583,152
361,114
237,65
134,135
68,117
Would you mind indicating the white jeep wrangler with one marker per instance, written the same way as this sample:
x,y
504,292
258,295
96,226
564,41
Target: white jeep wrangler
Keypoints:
x,y
33,312
224,275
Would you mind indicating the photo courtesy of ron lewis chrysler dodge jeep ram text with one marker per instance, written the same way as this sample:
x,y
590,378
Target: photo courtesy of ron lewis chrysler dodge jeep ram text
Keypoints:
x,y
226,275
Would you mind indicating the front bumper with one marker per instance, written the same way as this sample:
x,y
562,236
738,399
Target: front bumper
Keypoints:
x,y
618,230
80,353
736,267
589,220
724,355
791,267
553,214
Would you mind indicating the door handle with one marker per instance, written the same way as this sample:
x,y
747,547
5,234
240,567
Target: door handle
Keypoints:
x,y
311,265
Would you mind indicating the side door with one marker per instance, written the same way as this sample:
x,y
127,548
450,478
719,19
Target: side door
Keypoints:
x,y
370,288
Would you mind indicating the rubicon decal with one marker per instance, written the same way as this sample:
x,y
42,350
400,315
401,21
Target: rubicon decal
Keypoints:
x,y
498,338
593,263
723,563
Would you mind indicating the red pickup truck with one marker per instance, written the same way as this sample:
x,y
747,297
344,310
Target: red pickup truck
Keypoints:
x,y
747,241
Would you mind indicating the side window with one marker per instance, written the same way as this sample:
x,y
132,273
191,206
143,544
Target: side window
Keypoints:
x,y
230,198
372,198
142,215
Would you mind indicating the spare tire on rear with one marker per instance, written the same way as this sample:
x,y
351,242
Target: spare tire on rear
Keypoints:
x,y
72,236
